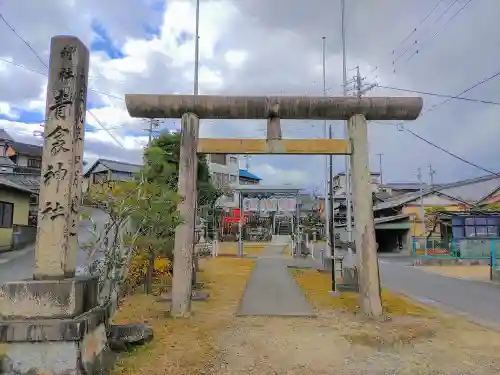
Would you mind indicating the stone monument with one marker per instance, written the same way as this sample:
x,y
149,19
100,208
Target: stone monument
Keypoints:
x,y
52,323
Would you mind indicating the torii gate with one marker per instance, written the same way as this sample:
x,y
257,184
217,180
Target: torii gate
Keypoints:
x,y
190,108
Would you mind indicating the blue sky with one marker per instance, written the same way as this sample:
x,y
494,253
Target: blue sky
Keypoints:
x,y
100,43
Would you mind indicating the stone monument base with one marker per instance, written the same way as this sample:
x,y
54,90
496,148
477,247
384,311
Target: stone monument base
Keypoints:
x,y
53,327
349,280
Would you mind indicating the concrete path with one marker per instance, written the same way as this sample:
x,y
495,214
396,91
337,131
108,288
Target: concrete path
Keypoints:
x,y
271,290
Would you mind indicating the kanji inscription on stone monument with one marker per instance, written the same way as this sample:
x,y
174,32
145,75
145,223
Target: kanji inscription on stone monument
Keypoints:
x,y
60,188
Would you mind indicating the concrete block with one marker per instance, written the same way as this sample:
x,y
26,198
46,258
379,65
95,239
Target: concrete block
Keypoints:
x,y
48,299
57,346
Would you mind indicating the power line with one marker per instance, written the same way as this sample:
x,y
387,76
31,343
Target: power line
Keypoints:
x,y
439,95
22,67
105,129
420,23
451,153
416,40
403,128
46,75
414,31
23,40
39,58
411,33
483,81
418,50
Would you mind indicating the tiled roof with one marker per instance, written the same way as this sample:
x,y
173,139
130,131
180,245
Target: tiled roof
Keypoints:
x,y
6,162
6,183
115,166
4,136
471,191
245,174
27,149
404,185
28,181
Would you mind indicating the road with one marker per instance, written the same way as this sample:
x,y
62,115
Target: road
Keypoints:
x,y
479,301
18,265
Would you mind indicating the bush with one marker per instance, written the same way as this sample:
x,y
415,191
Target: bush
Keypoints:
x,y
138,270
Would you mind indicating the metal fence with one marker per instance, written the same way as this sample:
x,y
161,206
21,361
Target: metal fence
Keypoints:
x,y
467,248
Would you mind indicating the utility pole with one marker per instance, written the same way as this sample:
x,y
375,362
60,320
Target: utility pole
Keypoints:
x,y
327,174
197,48
331,218
346,136
432,172
360,86
380,167
422,211
154,123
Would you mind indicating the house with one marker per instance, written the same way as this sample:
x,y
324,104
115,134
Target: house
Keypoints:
x,y
104,170
14,215
18,157
26,157
400,188
224,169
340,197
247,178
400,218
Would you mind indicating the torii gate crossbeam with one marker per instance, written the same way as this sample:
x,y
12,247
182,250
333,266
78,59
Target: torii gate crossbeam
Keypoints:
x,y
356,110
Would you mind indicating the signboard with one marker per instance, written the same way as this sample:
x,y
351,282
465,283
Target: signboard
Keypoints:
x,y
251,204
432,252
287,204
269,205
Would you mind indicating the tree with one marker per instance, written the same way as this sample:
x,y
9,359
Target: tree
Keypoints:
x,y
432,219
162,167
136,210
162,160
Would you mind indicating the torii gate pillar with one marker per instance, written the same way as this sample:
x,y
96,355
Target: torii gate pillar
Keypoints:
x,y
356,110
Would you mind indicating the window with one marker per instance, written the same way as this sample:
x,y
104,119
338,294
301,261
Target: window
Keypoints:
x,y
233,178
218,159
35,163
233,160
475,227
33,199
6,214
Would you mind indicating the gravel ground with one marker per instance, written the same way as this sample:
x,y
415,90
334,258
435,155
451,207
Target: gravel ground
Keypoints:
x,y
337,343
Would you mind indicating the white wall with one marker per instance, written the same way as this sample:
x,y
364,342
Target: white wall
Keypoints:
x,y
231,167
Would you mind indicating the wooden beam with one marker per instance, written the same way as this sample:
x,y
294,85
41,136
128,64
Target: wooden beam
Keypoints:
x,y
275,146
261,107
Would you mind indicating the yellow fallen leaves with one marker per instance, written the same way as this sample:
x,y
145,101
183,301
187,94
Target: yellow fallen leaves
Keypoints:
x,y
316,286
185,346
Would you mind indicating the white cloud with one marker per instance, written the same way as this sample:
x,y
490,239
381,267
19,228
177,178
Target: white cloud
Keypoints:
x,y
236,58
272,175
258,47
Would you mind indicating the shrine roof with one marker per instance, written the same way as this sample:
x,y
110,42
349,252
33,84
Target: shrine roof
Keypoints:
x,y
268,189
